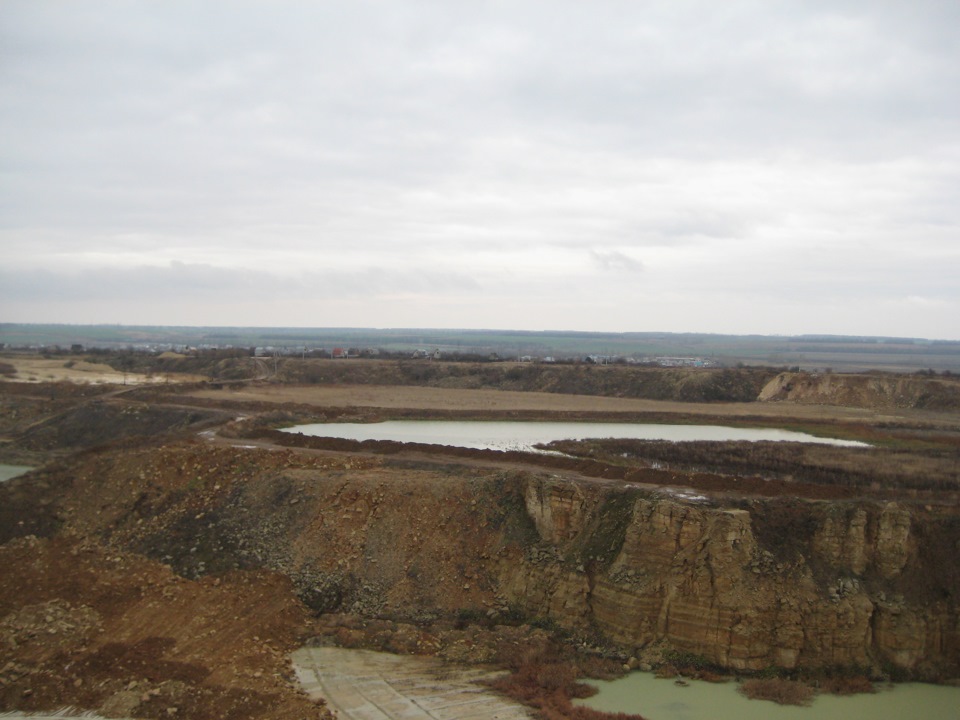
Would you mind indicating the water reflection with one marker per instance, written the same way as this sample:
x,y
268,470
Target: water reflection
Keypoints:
x,y
496,435
11,471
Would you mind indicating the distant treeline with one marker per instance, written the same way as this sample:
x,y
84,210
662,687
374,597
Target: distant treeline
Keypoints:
x,y
808,352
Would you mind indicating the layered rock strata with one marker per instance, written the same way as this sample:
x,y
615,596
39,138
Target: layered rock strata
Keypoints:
x,y
820,585
744,583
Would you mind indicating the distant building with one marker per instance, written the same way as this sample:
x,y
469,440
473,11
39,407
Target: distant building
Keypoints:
x,y
667,361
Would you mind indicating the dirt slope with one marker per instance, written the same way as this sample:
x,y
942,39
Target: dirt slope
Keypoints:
x,y
634,565
175,569
864,391
83,626
682,384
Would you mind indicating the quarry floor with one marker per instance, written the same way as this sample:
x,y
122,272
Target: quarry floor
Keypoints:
x,y
233,634
365,685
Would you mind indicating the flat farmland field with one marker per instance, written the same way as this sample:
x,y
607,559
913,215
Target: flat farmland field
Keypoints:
x,y
472,400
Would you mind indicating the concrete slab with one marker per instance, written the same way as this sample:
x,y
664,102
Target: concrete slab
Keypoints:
x,y
367,685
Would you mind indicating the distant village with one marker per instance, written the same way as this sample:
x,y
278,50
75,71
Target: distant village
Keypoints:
x,y
347,353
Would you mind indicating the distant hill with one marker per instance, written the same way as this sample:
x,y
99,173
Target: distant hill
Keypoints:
x,y
808,352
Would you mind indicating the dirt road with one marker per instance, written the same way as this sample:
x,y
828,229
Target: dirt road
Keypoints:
x,y
431,398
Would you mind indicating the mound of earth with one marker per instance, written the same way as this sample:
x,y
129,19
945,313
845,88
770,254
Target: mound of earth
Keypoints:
x,y
88,627
682,384
98,423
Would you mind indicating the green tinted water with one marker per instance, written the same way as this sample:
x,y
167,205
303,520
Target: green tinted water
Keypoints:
x,y
11,471
655,699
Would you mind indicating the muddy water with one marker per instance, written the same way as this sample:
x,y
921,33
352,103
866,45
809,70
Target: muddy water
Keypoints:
x,y
655,699
11,471
487,435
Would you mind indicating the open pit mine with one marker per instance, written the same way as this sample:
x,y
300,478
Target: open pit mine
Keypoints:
x,y
170,549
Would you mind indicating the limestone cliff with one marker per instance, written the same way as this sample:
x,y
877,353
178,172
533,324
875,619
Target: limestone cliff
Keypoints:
x,y
746,584
865,391
819,584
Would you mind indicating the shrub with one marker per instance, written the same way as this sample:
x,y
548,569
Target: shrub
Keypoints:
x,y
778,690
546,685
666,671
847,685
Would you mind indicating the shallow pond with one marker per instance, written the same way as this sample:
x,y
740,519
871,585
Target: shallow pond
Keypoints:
x,y
521,435
657,699
11,471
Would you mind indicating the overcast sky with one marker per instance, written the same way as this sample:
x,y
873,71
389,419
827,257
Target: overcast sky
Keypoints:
x,y
732,167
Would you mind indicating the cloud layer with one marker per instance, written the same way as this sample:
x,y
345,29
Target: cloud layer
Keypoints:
x,y
739,167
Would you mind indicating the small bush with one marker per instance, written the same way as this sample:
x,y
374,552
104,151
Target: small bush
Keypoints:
x,y
778,690
667,671
546,685
847,685
712,677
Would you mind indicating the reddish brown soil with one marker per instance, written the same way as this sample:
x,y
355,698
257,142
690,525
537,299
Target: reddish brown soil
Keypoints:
x,y
86,627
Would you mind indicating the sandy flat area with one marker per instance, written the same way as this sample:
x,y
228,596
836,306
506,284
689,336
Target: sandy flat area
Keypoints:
x,y
429,398
38,369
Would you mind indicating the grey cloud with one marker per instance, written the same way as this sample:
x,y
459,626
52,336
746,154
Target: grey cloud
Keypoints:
x,y
206,283
405,136
613,260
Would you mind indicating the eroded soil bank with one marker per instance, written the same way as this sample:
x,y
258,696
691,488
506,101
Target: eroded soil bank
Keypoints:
x,y
745,583
181,547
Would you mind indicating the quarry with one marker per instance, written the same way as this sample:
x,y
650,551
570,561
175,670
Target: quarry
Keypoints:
x,y
172,549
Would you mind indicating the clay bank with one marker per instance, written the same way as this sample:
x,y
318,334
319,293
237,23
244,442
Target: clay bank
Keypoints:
x,y
525,435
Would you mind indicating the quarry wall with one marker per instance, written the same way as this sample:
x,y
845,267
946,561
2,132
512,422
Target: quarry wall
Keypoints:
x,y
745,583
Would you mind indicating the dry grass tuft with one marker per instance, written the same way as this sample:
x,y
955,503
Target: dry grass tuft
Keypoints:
x,y
548,686
847,685
778,690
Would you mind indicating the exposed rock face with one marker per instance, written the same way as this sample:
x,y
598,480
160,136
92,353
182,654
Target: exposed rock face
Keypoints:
x,y
698,577
867,391
556,510
852,538
765,582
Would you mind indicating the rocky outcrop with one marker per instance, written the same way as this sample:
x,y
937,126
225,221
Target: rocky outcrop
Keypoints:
x,y
698,577
864,391
746,584
851,538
